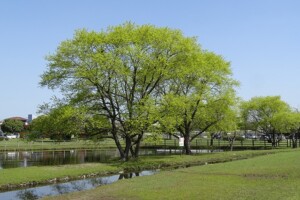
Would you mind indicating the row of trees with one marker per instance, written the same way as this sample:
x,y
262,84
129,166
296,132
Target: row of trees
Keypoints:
x,y
131,80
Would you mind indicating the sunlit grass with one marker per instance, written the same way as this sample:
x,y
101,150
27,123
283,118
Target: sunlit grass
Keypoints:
x,y
274,176
202,143
31,174
46,144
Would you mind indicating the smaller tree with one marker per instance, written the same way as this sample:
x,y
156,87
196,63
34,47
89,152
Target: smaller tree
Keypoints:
x,y
63,121
289,124
264,114
12,126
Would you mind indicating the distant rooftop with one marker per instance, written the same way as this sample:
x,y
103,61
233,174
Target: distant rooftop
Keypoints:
x,y
18,118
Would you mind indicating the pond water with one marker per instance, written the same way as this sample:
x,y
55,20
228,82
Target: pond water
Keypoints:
x,y
63,188
44,158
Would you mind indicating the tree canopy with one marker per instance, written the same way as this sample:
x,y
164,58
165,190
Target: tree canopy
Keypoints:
x,y
265,114
132,74
12,126
65,121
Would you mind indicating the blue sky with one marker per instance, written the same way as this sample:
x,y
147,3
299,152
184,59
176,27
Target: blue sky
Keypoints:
x,y
259,37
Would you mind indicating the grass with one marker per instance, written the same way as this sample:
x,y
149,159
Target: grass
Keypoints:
x,y
15,176
40,174
273,176
20,144
46,144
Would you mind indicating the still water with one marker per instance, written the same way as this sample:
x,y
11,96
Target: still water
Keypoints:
x,y
63,188
44,158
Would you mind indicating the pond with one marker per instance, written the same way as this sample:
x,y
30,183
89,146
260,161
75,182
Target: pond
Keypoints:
x,y
44,158
63,188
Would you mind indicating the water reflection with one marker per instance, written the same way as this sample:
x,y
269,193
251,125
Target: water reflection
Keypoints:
x,y
27,195
128,175
63,188
43,158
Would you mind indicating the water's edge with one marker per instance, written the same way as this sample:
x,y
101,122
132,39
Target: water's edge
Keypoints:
x,y
10,187
85,183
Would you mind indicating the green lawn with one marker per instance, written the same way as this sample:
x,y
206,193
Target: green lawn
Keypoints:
x,y
20,144
41,174
201,143
273,176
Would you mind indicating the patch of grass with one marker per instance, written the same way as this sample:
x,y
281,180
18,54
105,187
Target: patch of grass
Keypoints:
x,y
38,174
273,176
174,161
47,144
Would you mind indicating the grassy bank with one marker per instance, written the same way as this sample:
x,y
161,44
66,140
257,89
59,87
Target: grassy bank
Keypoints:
x,y
202,143
16,177
273,176
47,144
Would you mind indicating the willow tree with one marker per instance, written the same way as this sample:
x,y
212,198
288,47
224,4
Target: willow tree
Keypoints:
x,y
116,74
265,114
198,97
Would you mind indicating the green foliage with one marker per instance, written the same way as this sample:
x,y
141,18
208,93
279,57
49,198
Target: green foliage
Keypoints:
x,y
237,137
264,114
199,98
65,121
12,126
142,79
33,136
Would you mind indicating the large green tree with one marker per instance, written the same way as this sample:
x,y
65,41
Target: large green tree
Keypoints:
x,y
265,115
199,97
117,73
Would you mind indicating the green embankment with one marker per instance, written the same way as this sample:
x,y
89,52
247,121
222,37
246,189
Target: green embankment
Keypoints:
x,y
47,144
273,176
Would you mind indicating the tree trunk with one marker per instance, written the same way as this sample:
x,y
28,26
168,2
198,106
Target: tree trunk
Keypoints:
x,y
116,139
294,141
273,140
187,144
137,146
127,148
231,141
